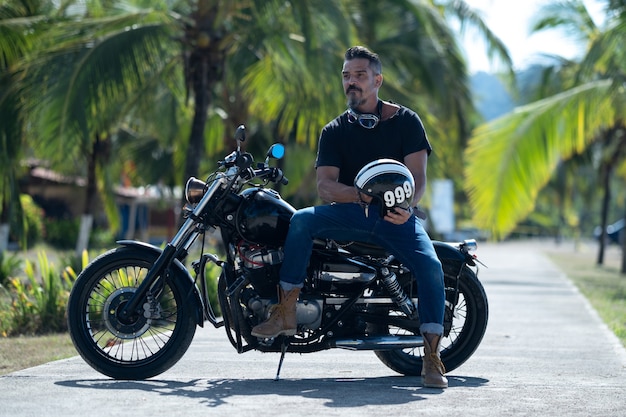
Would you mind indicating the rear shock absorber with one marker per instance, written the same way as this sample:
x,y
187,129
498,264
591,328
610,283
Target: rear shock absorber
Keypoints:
x,y
397,294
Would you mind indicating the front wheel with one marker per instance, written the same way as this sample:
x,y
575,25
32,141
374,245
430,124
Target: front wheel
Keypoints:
x,y
140,346
466,319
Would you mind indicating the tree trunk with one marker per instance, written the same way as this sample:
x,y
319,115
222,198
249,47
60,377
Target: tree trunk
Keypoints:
x,y
4,237
10,204
91,194
5,225
623,240
614,136
606,186
196,145
82,243
204,69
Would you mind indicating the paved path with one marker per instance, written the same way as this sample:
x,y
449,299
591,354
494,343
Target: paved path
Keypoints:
x,y
545,353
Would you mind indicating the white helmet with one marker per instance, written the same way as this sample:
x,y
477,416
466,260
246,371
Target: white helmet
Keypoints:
x,y
388,181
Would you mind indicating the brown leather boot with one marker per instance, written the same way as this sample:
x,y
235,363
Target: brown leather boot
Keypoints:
x,y
282,318
432,368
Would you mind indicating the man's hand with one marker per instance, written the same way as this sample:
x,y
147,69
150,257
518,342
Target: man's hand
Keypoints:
x,y
398,216
364,197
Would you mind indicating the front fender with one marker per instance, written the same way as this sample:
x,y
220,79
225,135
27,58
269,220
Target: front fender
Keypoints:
x,y
186,280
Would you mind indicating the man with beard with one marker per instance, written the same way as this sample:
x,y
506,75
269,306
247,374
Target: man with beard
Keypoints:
x,y
370,130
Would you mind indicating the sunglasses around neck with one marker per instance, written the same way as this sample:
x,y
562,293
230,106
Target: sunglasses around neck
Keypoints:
x,y
367,120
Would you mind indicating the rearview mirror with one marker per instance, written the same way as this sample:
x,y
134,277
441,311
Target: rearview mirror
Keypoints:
x,y
276,151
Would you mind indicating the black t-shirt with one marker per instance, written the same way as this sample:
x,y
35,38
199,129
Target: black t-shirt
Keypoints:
x,y
350,146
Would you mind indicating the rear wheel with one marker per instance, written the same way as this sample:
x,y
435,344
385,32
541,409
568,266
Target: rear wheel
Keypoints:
x,y
468,325
140,346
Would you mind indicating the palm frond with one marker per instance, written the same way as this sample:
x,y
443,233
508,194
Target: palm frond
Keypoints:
x,y
512,158
81,88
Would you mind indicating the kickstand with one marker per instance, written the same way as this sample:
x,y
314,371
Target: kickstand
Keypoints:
x,y
283,350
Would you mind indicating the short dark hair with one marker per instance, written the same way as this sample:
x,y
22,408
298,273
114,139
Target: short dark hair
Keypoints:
x,y
363,52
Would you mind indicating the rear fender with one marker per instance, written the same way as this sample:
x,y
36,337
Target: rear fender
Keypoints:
x,y
185,278
447,251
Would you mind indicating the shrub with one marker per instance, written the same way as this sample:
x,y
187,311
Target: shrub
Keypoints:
x,y
32,218
38,302
5,312
9,265
62,233
212,275
101,238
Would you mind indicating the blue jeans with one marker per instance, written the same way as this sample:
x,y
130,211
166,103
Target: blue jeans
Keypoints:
x,y
408,242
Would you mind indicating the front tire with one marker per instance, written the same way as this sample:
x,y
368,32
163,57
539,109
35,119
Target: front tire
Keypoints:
x,y
137,347
469,323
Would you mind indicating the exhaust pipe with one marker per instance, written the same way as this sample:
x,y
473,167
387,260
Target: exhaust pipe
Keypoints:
x,y
379,343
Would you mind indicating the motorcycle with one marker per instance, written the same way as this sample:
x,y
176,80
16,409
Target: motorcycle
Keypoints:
x,y
133,311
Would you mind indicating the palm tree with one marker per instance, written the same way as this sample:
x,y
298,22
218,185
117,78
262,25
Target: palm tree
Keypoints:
x,y
88,80
290,84
291,87
512,158
84,83
92,80
229,46
20,21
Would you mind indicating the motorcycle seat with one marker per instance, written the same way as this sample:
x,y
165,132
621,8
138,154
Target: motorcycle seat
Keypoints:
x,y
356,248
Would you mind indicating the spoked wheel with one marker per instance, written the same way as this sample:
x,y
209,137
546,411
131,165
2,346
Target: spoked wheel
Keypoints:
x,y
147,342
469,323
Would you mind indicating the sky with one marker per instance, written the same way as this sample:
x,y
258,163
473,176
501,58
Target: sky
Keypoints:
x,y
510,21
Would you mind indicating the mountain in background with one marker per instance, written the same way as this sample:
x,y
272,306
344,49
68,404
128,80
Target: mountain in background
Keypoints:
x,y
493,99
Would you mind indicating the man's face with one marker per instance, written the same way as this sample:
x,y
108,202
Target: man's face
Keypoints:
x,y
360,84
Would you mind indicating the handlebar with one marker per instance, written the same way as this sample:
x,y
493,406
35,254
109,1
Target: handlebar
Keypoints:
x,y
241,160
280,177
244,162
272,174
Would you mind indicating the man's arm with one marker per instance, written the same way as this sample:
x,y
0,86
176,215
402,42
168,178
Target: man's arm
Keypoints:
x,y
416,163
330,190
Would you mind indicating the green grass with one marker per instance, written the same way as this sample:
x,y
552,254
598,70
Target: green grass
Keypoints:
x,y
604,286
22,352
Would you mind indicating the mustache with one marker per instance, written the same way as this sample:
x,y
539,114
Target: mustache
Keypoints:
x,y
352,88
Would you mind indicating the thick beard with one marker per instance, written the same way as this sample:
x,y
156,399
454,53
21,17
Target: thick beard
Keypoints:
x,y
354,101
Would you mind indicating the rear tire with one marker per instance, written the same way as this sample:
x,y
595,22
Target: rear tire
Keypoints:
x,y
137,347
470,315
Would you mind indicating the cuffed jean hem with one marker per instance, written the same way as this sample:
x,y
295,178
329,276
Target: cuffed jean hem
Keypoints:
x,y
288,286
431,328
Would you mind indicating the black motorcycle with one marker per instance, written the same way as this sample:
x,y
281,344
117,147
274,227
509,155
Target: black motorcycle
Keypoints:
x,y
133,311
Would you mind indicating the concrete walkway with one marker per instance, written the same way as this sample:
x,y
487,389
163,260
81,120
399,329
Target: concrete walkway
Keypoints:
x,y
545,353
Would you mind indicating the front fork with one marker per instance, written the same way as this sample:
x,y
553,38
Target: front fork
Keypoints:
x,y
178,247
174,250
136,301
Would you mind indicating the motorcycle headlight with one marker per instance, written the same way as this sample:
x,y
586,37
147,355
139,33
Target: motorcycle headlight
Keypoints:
x,y
194,190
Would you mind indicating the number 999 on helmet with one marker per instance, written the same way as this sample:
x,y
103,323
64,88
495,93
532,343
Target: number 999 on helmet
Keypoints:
x,y
389,182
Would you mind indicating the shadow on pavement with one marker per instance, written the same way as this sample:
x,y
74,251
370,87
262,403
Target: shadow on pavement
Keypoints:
x,y
335,392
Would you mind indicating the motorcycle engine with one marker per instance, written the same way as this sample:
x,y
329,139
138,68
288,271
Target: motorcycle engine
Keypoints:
x,y
260,257
261,265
